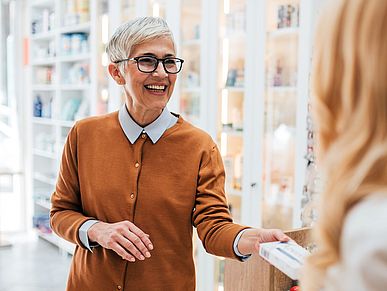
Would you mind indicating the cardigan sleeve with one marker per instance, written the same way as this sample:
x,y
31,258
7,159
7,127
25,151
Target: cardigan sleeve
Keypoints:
x,y
66,215
211,216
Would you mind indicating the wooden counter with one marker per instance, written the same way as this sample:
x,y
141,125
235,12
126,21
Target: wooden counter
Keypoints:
x,y
256,274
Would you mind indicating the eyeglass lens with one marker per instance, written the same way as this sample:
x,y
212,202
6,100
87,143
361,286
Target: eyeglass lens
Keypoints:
x,y
149,64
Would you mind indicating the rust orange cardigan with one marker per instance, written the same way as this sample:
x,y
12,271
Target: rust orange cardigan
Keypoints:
x,y
179,183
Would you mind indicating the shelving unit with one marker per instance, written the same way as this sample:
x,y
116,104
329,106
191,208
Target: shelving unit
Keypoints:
x,y
65,64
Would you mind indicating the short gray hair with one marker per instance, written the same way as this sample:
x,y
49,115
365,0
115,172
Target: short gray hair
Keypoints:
x,y
135,32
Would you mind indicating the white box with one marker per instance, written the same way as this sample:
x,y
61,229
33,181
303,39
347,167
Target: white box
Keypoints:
x,y
288,257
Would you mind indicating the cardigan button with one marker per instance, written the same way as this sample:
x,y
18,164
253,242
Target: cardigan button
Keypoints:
x,y
119,287
136,165
132,196
143,135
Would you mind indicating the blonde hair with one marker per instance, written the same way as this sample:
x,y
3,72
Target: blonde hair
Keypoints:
x,y
135,32
349,82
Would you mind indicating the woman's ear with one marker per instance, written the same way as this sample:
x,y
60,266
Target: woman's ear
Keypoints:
x,y
115,73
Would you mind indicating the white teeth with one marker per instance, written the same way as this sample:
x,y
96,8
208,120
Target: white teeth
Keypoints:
x,y
155,87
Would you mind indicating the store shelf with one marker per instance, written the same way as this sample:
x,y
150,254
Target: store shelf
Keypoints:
x,y
288,31
65,64
42,3
234,192
50,237
191,90
44,178
43,36
42,203
65,123
192,42
74,58
45,154
282,89
44,121
44,62
236,36
83,27
74,87
233,132
235,89
43,87
57,241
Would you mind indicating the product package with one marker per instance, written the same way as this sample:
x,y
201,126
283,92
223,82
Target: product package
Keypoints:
x,y
288,257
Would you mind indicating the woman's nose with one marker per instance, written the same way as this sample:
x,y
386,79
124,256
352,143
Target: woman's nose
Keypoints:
x,y
160,71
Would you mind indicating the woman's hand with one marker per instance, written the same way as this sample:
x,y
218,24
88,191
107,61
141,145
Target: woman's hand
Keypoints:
x,y
126,239
251,238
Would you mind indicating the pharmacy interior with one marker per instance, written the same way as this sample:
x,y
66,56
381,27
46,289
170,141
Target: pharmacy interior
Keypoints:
x,y
245,81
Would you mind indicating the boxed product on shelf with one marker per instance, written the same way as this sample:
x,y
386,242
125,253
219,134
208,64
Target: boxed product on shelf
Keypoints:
x,y
42,222
44,75
74,43
287,16
70,108
288,257
76,12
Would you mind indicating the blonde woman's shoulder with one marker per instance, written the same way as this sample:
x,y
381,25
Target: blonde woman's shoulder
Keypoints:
x,y
363,264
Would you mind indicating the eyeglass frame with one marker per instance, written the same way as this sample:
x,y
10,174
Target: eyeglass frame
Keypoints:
x,y
157,64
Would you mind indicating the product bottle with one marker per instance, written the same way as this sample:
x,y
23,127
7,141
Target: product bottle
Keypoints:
x,y
38,106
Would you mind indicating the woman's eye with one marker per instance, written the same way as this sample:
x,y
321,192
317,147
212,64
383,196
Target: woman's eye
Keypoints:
x,y
147,61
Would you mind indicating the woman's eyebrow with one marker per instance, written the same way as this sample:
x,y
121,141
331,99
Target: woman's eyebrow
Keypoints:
x,y
153,55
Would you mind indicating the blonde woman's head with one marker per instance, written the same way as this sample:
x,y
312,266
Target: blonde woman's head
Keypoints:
x,y
349,82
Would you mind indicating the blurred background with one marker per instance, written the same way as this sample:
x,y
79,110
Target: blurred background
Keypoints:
x,y
245,80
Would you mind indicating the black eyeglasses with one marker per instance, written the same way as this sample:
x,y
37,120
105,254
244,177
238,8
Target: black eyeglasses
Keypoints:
x,y
149,64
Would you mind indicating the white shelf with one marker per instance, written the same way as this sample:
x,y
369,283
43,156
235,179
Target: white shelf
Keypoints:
x,y
49,35
45,154
191,90
67,246
43,161
49,61
282,89
73,87
237,35
288,31
50,237
58,241
192,42
235,89
42,3
44,178
65,123
44,204
42,120
233,132
43,87
234,192
83,27
75,58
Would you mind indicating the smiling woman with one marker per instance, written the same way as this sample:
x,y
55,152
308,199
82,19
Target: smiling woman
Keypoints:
x,y
129,188
148,85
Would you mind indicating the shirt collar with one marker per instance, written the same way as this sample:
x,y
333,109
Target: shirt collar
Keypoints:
x,y
154,130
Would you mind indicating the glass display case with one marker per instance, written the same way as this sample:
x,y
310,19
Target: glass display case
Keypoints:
x,y
232,43
68,82
102,35
190,51
280,105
